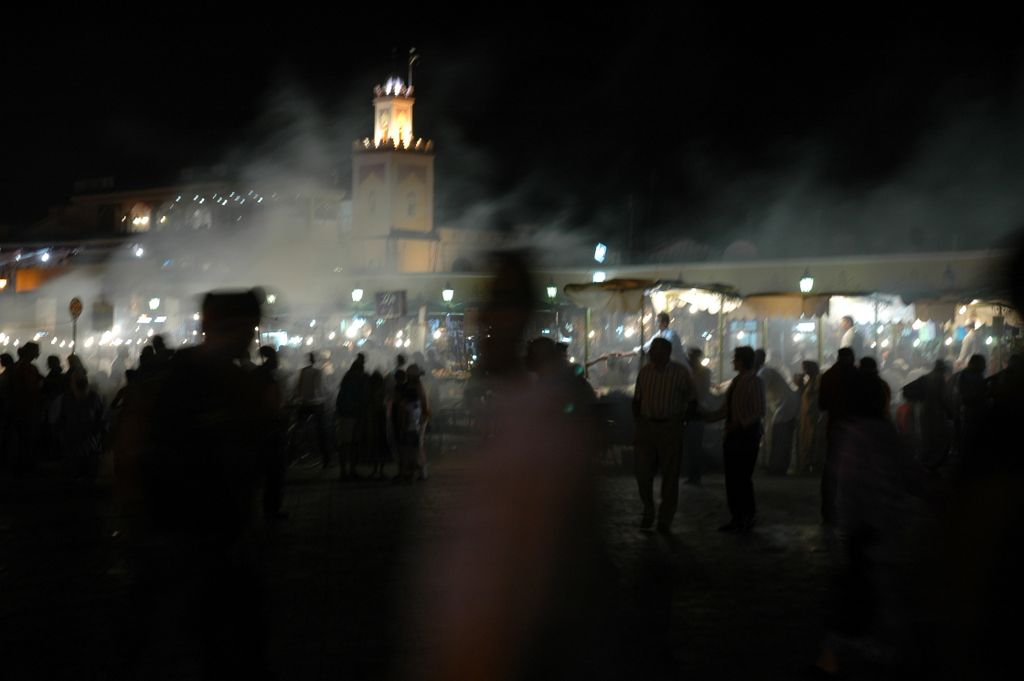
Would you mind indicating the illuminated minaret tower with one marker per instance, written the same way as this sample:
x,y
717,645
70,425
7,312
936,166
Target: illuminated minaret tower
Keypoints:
x,y
393,187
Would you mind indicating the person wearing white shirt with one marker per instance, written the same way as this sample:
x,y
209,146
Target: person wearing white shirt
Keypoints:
x,y
666,331
970,345
851,337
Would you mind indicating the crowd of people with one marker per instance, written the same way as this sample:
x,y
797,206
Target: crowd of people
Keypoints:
x,y
197,434
68,417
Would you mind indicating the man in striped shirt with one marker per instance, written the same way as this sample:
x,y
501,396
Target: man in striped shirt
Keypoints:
x,y
664,391
743,412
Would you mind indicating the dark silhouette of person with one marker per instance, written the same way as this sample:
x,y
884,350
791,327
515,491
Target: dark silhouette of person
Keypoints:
x,y
148,367
350,412
79,427
839,396
310,395
26,405
403,400
810,447
120,363
6,363
975,446
936,417
378,451
202,464
55,384
694,448
876,393
743,411
163,353
276,456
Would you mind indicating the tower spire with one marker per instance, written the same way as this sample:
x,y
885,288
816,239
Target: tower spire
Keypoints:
x,y
413,58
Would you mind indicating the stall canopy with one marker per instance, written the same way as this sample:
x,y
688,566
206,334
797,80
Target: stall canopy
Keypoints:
x,y
615,296
712,298
986,311
938,310
783,305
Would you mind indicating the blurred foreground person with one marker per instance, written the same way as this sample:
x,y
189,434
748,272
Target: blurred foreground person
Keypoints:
x,y
199,444
977,595
515,590
869,615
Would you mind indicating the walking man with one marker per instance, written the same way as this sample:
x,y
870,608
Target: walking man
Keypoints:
x,y
664,391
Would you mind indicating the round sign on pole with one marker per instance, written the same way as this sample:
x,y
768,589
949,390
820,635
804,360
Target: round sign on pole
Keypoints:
x,y
75,308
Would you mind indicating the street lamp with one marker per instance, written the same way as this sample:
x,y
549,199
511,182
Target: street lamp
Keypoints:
x,y
357,295
448,294
552,290
806,282
3,283
154,303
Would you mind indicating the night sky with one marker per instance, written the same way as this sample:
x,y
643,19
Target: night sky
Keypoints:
x,y
799,133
